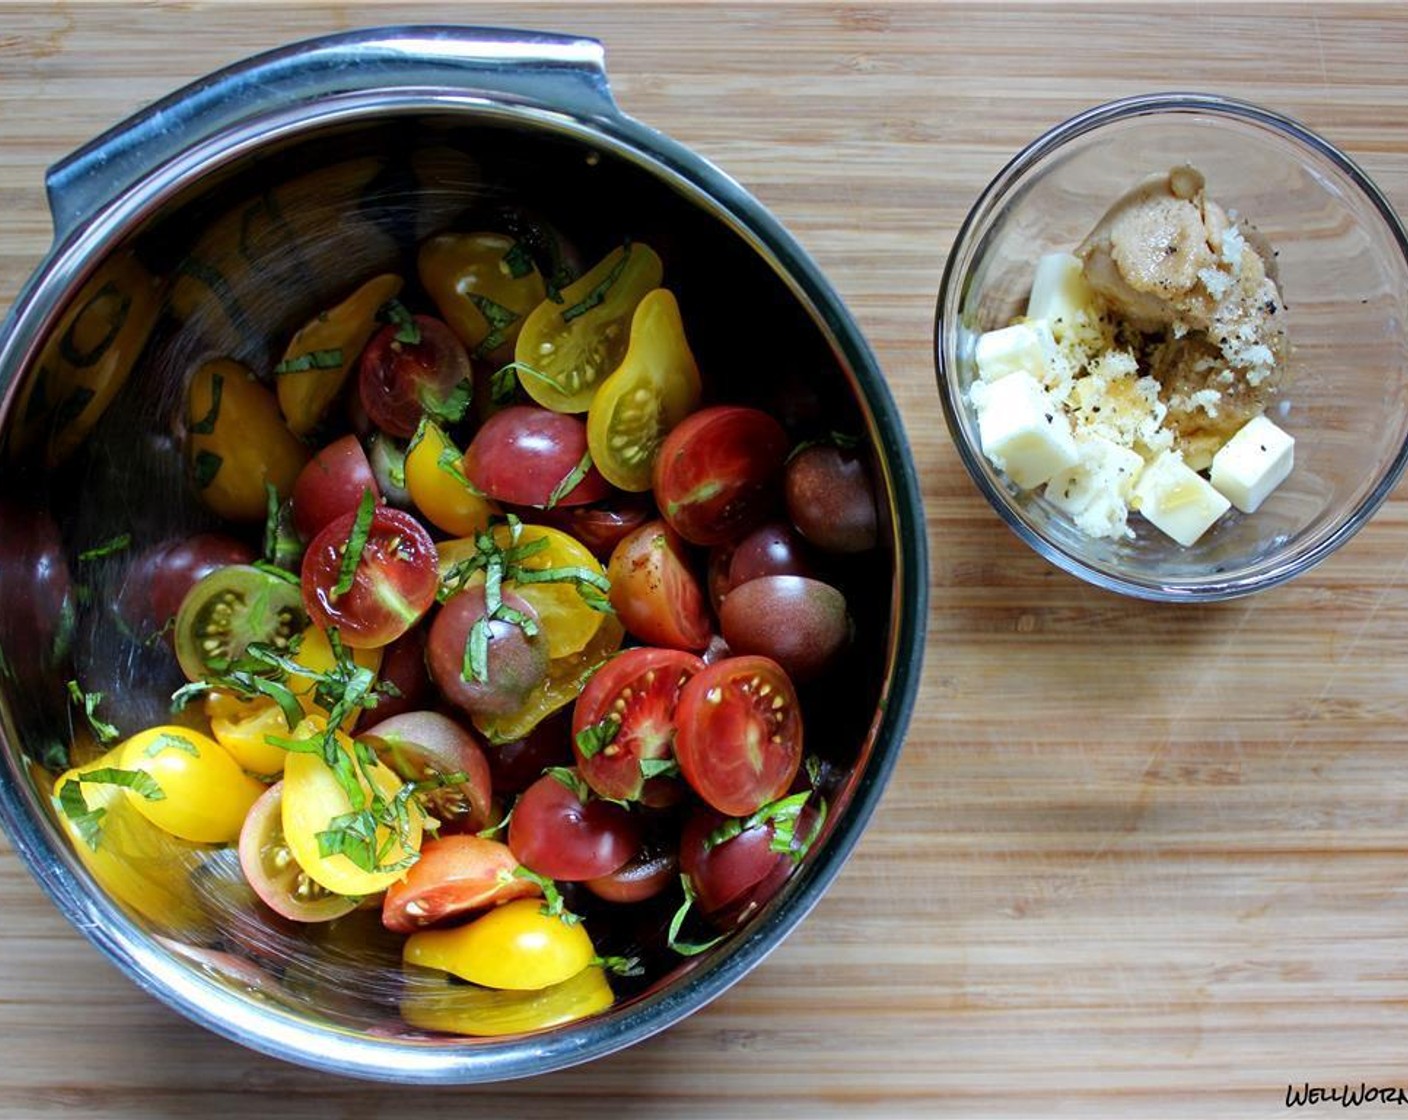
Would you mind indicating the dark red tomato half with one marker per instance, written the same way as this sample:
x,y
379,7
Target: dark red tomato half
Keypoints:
x,y
772,549
625,717
560,830
653,591
455,875
738,734
426,746
647,874
393,582
527,456
400,381
268,864
733,878
330,485
603,526
160,578
718,472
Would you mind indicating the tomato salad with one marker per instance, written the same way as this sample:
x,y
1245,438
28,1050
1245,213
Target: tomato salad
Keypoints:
x,y
514,666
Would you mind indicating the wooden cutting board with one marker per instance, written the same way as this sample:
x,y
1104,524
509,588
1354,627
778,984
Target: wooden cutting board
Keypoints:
x,y
1137,860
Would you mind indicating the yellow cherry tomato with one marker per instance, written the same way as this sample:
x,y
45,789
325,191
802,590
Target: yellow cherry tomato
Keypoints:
x,y
566,678
484,285
205,794
570,348
566,620
315,803
236,441
329,345
90,353
429,1003
440,490
654,388
138,864
514,946
242,727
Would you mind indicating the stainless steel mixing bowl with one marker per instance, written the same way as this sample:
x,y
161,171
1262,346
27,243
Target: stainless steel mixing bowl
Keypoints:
x,y
240,202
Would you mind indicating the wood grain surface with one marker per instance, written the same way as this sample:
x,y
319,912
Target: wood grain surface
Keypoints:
x,y
1136,861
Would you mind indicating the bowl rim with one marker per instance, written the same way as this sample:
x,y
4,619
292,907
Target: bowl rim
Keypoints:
x,y
284,1035
949,304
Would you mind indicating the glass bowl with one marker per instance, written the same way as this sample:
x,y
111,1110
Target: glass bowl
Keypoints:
x,y
1342,257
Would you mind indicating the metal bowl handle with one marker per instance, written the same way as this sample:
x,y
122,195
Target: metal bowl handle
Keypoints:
x,y
562,72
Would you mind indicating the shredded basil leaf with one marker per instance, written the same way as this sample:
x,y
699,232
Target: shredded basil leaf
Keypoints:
x,y
553,904
277,572
450,409
109,547
659,768
619,966
88,821
499,318
475,666
206,424
356,543
205,467
167,742
89,702
591,741
570,480
408,330
687,948
314,359
598,294
518,260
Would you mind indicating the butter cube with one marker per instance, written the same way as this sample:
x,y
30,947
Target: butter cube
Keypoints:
x,y
1021,430
1177,500
1253,463
1027,347
1095,493
1060,294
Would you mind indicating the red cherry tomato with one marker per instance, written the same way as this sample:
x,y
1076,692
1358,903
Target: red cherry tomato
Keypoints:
x,y
733,878
272,871
800,623
739,734
526,456
514,664
161,577
626,717
772,549
426,745
718,472
330,485
393,584
400,381
560,830
650,872
653,591
455,875
603,526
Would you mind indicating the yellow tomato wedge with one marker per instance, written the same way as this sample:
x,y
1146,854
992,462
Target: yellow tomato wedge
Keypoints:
x,y
429,1003
138,864
237,442
439,489
567,622
316,804
568,349
654,388
204,794
514,946
484,285
242,727
323,352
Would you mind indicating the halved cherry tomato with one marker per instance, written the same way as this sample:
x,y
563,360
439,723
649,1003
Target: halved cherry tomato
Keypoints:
x,y
772,549
626,717
321,355
331,485
718,472
275,875
653,591
315,654
424,746
437,486
205,794
454,876
431,1003
560,830
646,875
242,727
739,734
568,348
734,877
528,456
604,525
236,442
515,661
161,577
393,584
654,388
230,608
485,285
401,381
314,801
514,946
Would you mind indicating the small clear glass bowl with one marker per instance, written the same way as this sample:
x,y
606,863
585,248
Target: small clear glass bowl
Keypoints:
x,y
1342,257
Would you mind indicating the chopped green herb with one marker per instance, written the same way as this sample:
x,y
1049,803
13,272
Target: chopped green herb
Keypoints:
x,y
206,424
282,548
107,548
619,966
591,741
844,440
570,480
781,814
449,461
356,543
277,572
167,742
567,776
407,329
659,768
205,467
553,905
475,666
518,260
597,294
687,948
452,408
314,359
89,702
499,318
88,821
503,384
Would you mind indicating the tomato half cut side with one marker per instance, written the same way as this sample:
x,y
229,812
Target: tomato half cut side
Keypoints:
x,y
410,369
227,610
427,746
393,582
455,875
275,875
624,721
739,734
654,592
